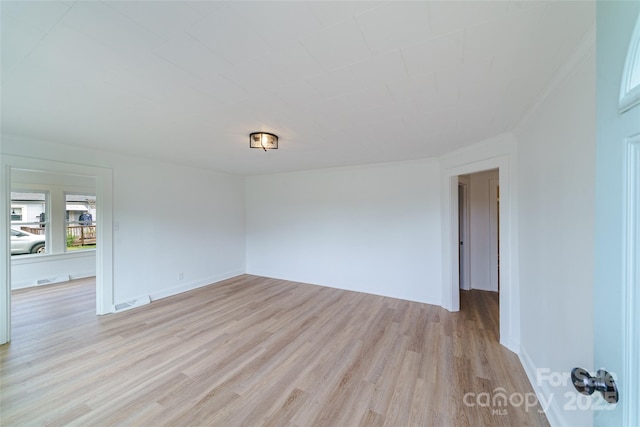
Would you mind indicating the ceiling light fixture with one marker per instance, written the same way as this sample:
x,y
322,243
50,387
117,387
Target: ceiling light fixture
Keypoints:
x,y
264,140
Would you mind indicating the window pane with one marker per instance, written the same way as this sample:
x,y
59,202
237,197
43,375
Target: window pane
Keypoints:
x,y
16,214
80,221
28,223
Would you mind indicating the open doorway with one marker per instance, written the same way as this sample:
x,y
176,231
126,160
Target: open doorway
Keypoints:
x,y
11,167
505,254
478,231
463,232
49,245
478,225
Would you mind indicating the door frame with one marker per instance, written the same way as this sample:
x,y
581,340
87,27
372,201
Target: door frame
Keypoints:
x,y
509,292
104,234
631,279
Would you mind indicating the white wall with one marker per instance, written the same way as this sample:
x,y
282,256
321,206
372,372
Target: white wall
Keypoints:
x,y
483,268
27,271
160,235
373,229
152,201
556,165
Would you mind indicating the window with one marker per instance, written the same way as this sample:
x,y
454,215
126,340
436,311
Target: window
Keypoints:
x,y
28,223
16,214
630,88
80,221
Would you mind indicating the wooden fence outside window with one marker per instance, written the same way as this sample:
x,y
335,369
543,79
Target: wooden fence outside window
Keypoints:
x,y
81,235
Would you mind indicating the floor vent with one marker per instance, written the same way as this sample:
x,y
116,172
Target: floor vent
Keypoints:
x,y
56,279
132,304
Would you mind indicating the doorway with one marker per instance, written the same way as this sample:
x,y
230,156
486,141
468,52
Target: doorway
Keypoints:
x,y
9,166
463,232
509,308
478,226
478,230
49,203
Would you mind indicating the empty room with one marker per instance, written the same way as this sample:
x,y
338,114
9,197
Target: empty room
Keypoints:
x,y
328,213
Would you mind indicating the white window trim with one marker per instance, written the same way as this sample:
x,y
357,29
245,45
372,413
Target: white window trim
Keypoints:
x,y
23,223
630,95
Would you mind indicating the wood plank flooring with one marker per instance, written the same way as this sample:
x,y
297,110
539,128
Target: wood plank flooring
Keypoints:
x,y
252,351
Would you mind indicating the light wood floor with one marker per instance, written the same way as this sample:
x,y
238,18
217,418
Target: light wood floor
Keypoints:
x,y
253,351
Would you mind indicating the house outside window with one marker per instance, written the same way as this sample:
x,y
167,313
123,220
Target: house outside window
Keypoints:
x,y
80,221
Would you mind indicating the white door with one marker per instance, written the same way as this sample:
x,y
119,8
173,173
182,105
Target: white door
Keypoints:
x,y
616,293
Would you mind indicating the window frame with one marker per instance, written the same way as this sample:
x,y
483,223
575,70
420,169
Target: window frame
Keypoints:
x,y
630,92
17,225
68,223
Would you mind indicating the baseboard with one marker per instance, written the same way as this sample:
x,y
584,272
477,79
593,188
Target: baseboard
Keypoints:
x,y
82,275
427,300
511,345
48,280
195,285
544,394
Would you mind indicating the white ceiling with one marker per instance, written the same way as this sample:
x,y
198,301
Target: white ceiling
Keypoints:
x,y
341,83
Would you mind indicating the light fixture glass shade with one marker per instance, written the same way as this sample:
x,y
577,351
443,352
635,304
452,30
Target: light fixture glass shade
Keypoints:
x,y
264,140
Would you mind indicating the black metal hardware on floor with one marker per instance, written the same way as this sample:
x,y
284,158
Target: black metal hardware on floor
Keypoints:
x,y
602,382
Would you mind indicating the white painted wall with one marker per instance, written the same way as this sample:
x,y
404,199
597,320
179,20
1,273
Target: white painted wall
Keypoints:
x,y
373,229
32,179
481,240
152,201
556,164
156,247
27,271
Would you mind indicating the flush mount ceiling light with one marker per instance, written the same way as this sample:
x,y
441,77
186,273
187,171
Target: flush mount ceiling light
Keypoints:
x,y
264,140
